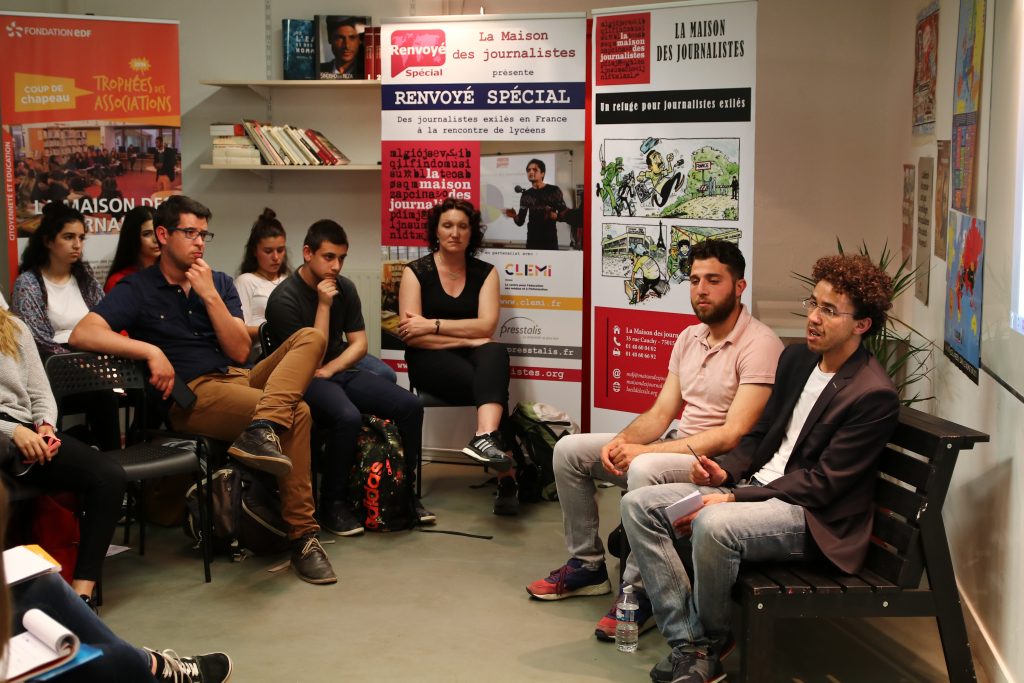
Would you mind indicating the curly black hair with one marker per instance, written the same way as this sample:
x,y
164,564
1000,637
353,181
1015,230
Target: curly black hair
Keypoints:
x,y
868,286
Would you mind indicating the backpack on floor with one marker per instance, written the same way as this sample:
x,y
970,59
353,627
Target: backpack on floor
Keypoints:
x,y
379,488
246,513
538,427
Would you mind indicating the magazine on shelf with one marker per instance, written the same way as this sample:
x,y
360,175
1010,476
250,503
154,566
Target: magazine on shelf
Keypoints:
x,y
340,49
44,647
299,49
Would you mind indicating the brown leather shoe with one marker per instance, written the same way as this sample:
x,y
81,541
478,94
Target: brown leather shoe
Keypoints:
x,y
310,560
259,448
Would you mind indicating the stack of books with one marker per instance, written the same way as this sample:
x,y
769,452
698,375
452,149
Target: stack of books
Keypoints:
x,y
293,146
231,146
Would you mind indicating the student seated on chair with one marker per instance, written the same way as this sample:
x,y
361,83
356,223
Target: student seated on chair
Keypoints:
x,y
56,289
318,296
120,661
185,321
448,306
720,376
33,454
799,485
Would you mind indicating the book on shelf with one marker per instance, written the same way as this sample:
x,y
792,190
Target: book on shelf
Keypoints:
x,y
283,145
340,48
299,49
331,149
269,154
25,562
371,40
44,650
222,129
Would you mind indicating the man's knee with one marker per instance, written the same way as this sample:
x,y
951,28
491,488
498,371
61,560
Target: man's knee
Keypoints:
x,y
309,335
571,456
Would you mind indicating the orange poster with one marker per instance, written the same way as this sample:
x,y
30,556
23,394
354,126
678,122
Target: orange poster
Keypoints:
x,y
90,110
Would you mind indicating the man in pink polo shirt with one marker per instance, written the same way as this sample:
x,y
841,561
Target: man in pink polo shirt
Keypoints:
x,y
722,370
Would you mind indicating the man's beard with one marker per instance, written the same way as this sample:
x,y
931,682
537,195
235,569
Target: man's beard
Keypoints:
x,y
717,313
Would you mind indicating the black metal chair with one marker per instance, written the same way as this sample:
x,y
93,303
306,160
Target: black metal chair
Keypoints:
x,y
71,374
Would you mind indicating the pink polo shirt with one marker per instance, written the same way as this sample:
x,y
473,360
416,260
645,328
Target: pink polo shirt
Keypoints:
x,y
709,376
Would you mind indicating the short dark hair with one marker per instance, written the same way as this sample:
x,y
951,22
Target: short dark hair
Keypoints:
x,y
333,24
324,230
540,165
476,228
727,253
868,286
168,214
265,226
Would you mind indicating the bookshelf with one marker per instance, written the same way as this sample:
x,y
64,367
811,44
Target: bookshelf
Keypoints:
x,y
278,95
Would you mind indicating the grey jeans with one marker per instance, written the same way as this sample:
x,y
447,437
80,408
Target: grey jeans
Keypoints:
x,y
577,463
698,613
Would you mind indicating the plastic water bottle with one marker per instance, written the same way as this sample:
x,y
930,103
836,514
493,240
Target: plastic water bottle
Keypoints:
x,y
626,631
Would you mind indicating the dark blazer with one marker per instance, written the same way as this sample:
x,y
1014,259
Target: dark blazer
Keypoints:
x,y
831,472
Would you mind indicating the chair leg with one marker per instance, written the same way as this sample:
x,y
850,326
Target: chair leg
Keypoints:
x,y
208,526
204,517
129,497
140,505
755,643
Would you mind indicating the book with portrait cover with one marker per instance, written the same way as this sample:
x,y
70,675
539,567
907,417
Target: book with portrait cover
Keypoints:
x,y
299,49
340,51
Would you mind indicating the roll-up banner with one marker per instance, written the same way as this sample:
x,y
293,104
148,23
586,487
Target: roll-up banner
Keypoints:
x,y
90,114
467,104
673,164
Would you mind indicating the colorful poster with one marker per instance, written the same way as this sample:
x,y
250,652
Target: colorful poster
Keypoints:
x,y
926,56
907,235
970,49
672,165
100,131
964,292
452,88
941,197
922,252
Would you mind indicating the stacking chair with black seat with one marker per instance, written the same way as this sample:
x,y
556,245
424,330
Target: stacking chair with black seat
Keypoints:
x,y
71,374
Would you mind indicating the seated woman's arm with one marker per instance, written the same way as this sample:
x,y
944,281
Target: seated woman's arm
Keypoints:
x,y
424,333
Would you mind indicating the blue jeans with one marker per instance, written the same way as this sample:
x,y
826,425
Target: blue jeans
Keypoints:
x,y
697,613
120,663
378,367
337,404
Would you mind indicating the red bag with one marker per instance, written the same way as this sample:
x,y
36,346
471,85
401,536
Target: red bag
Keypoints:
x,y
55,528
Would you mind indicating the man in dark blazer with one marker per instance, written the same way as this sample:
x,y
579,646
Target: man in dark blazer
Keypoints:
x,y
798,486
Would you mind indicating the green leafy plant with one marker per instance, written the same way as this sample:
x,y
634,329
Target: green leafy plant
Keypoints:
x,y
904,352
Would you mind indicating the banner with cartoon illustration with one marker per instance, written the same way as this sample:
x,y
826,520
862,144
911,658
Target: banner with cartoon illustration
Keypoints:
x,y
673,165
100,131
965,256
455,91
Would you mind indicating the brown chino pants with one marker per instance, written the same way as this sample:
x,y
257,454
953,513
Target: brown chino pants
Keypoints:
x,y
272,390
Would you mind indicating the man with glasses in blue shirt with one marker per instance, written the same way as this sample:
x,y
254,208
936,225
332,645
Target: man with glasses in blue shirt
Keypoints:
x,y
798,486
185,320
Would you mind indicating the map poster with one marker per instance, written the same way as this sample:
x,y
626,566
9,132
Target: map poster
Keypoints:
x,y
965,254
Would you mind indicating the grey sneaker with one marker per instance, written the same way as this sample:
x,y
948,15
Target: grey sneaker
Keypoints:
x,y
209,668
688,665
259,448
489,449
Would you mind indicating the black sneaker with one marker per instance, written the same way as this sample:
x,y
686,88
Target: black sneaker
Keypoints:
x,y
310,560
210,668
424,516
336,516
489,449
688,665
259,448
507,502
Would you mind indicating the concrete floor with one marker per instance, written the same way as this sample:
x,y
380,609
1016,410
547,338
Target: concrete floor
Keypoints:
x,y
415,606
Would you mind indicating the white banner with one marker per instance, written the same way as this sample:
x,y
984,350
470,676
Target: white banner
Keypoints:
x,y
673,164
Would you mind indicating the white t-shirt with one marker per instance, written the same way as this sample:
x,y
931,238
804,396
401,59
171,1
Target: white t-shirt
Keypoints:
x,y
776,467
254,291
64,307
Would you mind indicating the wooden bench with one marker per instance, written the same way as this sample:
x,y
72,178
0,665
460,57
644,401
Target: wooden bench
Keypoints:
x,y
909,538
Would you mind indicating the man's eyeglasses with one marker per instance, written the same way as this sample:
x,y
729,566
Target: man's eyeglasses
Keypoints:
x,y
192,233
827,312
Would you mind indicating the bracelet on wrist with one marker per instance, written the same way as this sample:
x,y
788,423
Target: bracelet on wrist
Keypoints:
x,y
437,326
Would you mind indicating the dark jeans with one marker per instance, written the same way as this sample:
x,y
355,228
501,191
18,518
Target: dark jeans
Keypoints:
x,y
120,663
100,483
337,404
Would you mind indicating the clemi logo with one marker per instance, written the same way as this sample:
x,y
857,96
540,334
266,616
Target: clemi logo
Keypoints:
x,y
15,31
417,48
528,270
519,326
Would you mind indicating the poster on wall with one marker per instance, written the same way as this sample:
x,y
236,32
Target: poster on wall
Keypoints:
x,y
964,292
941,212
909,191
453,89
926,57
922,242
970,49
673,165
100,132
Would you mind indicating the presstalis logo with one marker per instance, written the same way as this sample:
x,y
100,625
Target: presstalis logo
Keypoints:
x,y
520,326
416,49
528,270
13,30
